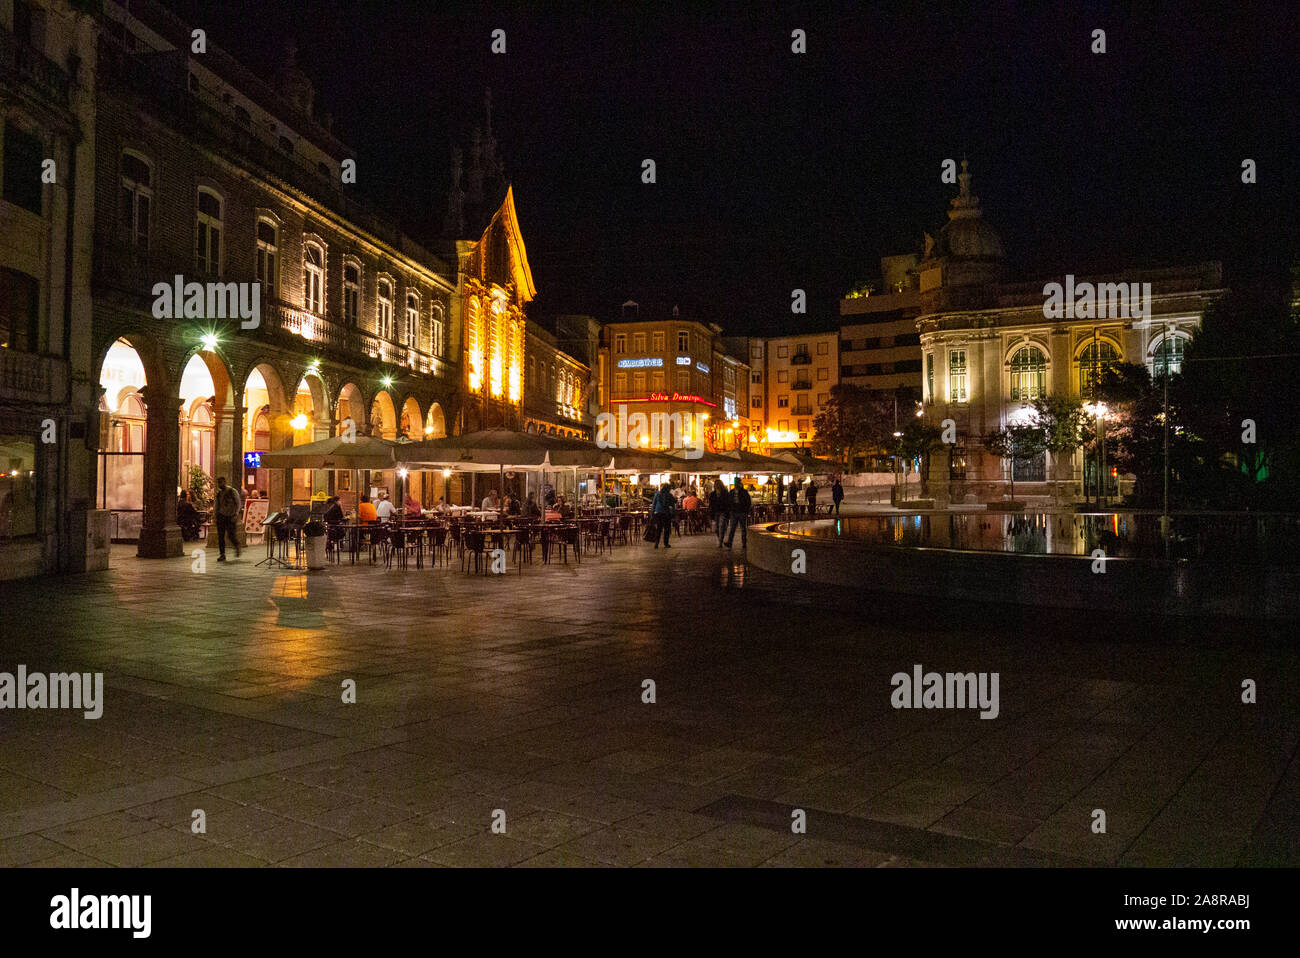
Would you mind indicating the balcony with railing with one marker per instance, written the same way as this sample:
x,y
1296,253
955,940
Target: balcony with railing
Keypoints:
x,y
23,62
25,376
801,384
801,359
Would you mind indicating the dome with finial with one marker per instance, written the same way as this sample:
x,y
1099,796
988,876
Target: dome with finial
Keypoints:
x,y
966,236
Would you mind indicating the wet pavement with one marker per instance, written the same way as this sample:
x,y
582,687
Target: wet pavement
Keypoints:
x,y
503,720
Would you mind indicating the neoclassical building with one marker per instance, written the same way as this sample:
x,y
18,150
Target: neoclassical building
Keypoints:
x,y
206,172
990,347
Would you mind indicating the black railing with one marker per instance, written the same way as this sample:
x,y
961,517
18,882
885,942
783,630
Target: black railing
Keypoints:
x,y
801,359
31,65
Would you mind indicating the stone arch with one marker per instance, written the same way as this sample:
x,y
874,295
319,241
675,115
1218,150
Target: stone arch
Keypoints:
x,y
412,419
383,416
435,424
351,404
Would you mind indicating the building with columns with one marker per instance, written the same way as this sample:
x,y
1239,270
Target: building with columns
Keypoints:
x,y
205,172
990,347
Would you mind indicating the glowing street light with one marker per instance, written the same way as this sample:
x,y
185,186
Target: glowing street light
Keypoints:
x,y
299,421
209,341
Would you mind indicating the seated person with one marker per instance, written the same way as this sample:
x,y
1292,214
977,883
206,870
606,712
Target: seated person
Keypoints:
x,y
490,502
563,507
188,518
333,511
443,505
366,512
384,508
691,502
512,506
531,509
413,509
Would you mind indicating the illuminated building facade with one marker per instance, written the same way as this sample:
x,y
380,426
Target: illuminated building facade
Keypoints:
x,y
678,367
880,348
206,172
47,65
989,348
791,378
558,387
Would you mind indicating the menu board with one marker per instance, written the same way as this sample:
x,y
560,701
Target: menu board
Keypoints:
x,y
255,511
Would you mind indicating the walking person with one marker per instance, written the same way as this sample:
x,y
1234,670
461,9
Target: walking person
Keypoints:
x,y
794,500
837,494
740,506
227,509
719,509
664,508
810,494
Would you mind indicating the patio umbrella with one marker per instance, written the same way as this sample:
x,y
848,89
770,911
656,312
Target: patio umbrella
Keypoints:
x,y
364,452
810,464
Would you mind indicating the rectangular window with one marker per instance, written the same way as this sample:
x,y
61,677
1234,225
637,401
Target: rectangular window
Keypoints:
x,y
22,173
683,381
783,375
957,464
783,425
957,384
802,426
268,249
638,383
823,398
620,385
683,341
657,380
929,377
351,293
657,342
620,343
20,296
207,242
755,402
782,352
823,374
17,486
757,379
782,402
638,342
823,349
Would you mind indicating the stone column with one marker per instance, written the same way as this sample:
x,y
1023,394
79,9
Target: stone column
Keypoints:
x,y
160,536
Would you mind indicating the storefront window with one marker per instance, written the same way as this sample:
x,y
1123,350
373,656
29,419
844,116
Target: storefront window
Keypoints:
x,y
17,487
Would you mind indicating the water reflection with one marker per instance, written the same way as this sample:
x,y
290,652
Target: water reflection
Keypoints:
x,y
1271,539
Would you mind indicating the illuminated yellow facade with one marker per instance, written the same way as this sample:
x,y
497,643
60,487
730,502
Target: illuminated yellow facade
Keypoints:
x,y
496,286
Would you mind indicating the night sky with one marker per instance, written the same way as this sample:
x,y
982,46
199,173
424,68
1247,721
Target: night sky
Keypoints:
x,y
778,171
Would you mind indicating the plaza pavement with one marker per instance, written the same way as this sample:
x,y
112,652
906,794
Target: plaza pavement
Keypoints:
x,y
524,694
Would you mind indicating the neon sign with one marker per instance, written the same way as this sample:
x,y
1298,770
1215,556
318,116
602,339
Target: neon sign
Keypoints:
x,y
683,360
701,367
253,460
639,363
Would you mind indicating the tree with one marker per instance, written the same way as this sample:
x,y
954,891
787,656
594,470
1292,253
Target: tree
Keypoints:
x,y
917,439
1016,442
1063,421
853,419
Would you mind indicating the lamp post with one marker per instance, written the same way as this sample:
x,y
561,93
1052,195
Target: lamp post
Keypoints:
x,y
1164,511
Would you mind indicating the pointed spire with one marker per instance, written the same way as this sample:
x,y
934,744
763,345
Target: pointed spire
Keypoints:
x,y
965,203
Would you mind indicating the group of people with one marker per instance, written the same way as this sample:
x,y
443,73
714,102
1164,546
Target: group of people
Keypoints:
x,y
727,510
557,507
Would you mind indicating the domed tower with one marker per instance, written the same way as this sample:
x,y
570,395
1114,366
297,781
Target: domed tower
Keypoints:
x,y
968,249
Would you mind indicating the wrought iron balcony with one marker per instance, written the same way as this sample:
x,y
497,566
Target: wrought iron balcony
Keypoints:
x,y
31,66
801,359
801,384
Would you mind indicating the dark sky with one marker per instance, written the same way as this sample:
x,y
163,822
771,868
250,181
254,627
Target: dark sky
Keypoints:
x,y
778,171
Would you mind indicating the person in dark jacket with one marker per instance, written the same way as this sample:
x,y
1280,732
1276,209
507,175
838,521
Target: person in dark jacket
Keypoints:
x,y
837,495
719,509
810,494
188,518
664,509
740,506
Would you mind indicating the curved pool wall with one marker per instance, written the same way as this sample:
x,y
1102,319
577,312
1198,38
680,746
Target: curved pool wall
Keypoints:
x,y
1128,585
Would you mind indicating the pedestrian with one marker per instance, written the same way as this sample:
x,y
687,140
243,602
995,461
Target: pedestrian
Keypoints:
x,y
810,494
740,505
837,494
227,508
780,492
794,500
664,509
719,509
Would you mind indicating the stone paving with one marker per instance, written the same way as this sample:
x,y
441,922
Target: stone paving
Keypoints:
x,y
223,692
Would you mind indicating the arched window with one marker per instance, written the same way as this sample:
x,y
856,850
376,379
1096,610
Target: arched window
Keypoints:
x,y
1096,358
268,257
207,242
439,345
137,198
313,278
351,292
385,309
1167,357
1028,374
412,319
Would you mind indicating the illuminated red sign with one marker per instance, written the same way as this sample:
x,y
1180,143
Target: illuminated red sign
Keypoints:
x,y
669,397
